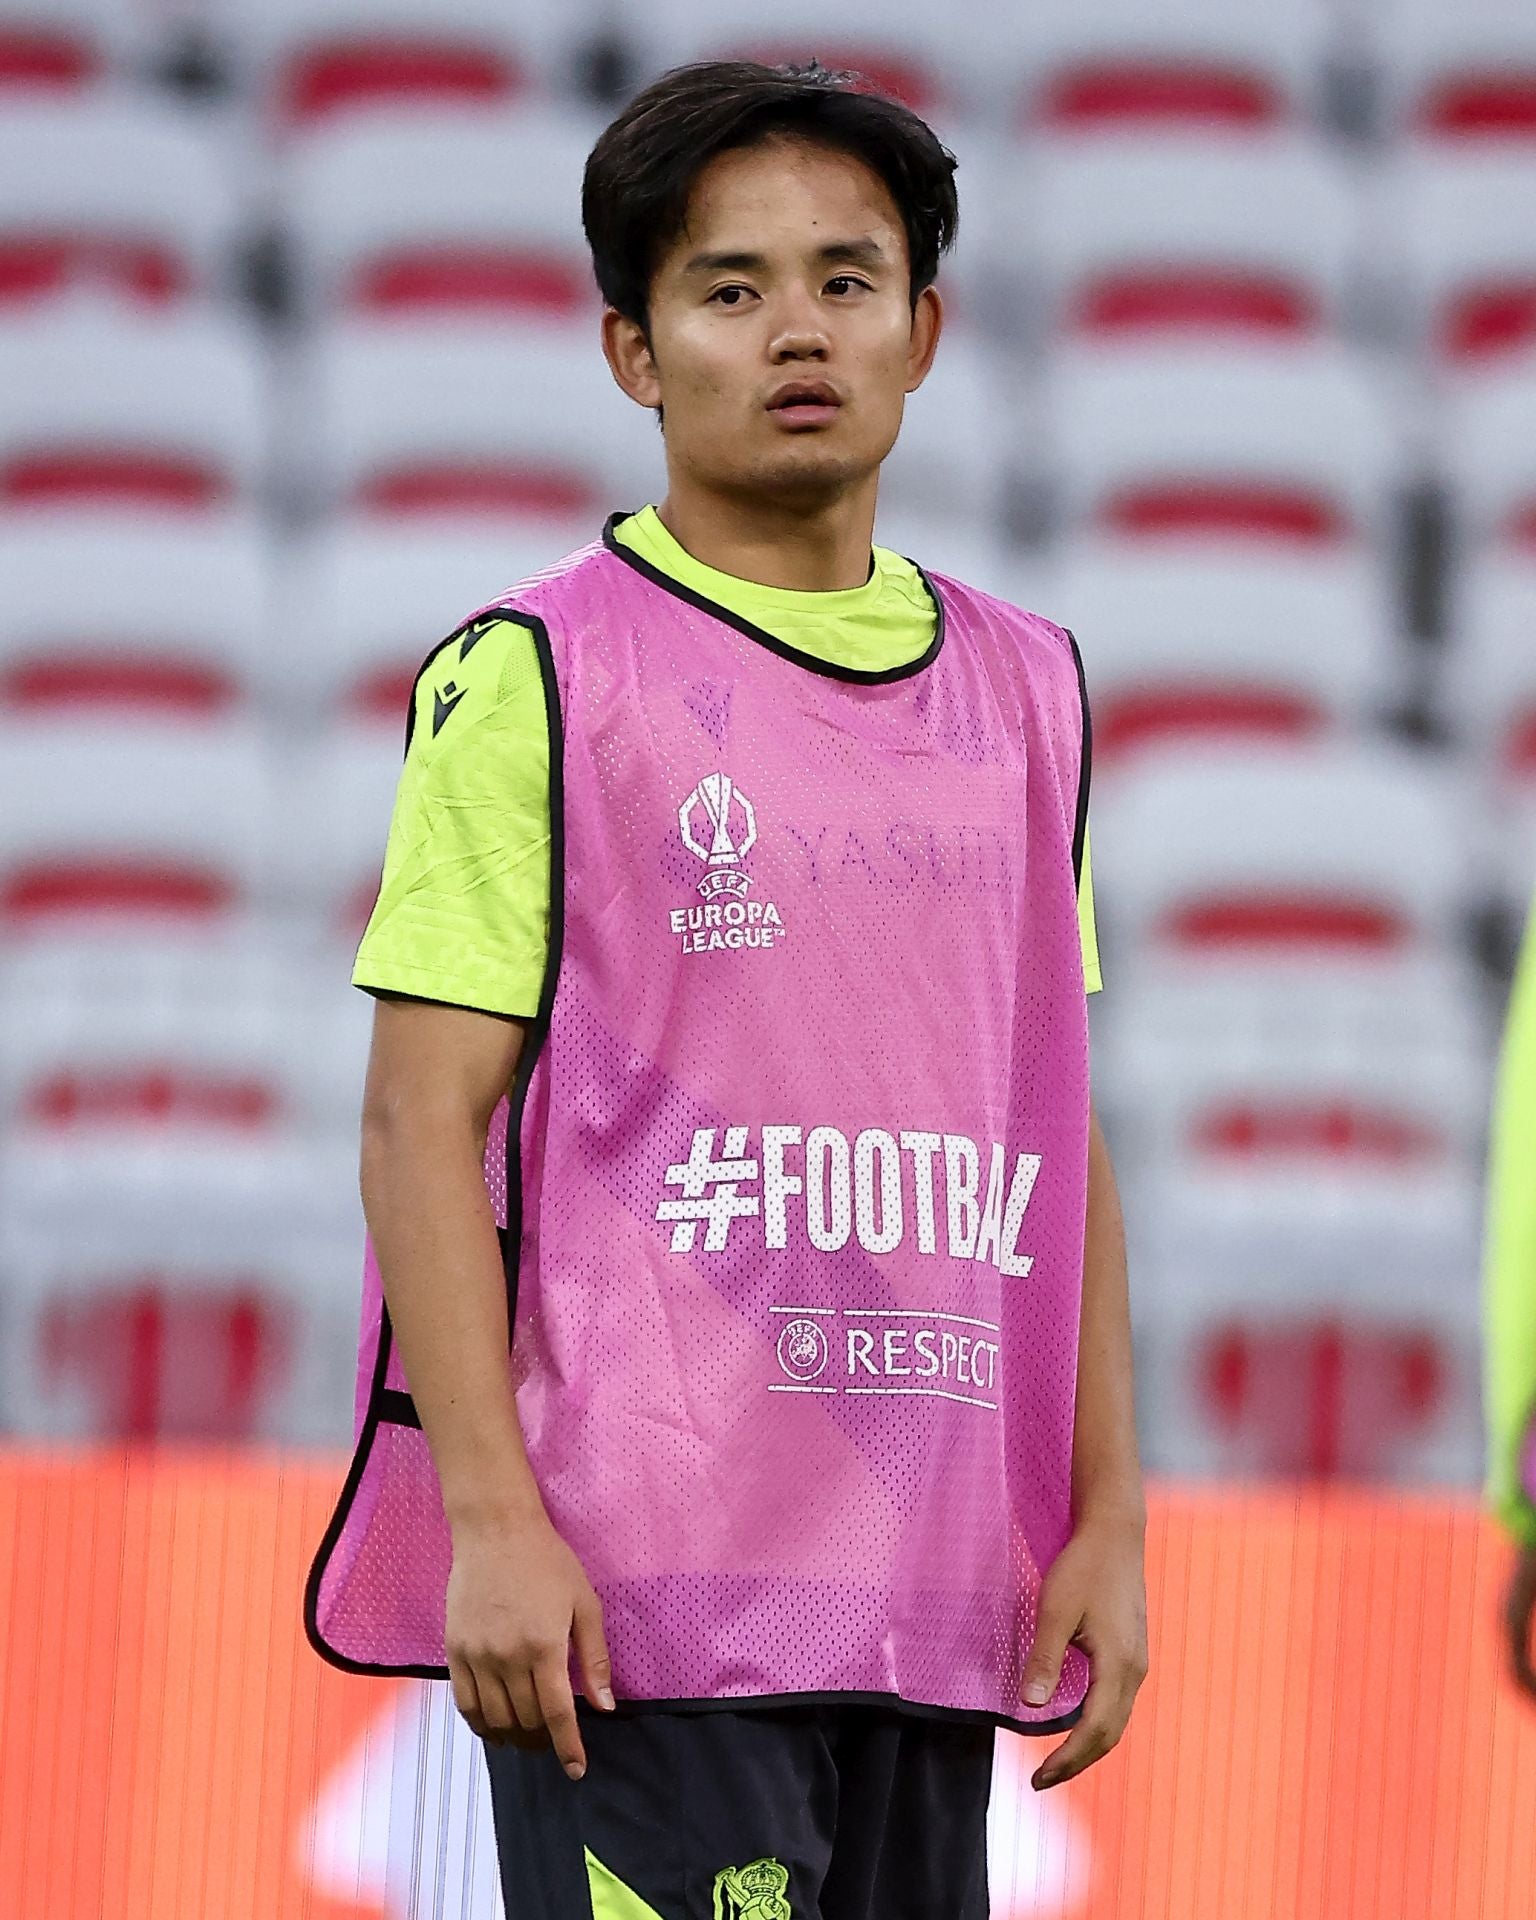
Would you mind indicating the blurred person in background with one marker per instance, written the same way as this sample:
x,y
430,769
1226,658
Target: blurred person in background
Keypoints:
x,y
1510,1310
812,1489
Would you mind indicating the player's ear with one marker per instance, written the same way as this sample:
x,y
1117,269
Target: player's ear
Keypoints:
x,y
628,353
927,325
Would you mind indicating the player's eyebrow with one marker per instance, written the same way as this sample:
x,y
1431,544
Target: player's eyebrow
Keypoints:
x,y
840,253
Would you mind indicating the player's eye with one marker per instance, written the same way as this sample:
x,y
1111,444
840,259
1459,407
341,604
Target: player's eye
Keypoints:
x,y
841,283
731,296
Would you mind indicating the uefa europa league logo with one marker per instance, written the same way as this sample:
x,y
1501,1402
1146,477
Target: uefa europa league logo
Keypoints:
x,y
730,827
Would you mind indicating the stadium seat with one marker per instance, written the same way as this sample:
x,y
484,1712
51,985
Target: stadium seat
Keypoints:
x,y
1185,641
1412,1032
461,418
1464,219
1186,64
1487,447
1330,1393
54,48
1132,238
104,826
366,603
174,1289
313,62
1457,74
137,615
108,406
116,195
1337,849
1293,442
431,213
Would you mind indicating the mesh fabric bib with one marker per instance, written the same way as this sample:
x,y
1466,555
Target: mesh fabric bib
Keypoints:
x,y
792,1178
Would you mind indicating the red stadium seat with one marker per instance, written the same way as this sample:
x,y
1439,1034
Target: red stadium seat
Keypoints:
x,y
1182,300
330,78
1138,93
44,59
1324,1397
1132,717
1495,105
163,1359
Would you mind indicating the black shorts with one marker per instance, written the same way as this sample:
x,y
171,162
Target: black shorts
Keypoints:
x,y
827,1810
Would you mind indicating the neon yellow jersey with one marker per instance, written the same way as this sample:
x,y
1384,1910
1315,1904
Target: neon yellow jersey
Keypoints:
x,y
463,909
1509,1283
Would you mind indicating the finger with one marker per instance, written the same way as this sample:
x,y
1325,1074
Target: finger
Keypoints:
x,y
1053,1630
1085,1744
466,1695
518,1682
495,1706
592,1652
559,1708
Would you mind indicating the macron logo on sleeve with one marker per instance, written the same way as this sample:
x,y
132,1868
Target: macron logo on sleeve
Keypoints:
x,y
441,707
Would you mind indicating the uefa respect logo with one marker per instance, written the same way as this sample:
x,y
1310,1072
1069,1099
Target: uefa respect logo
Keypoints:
x,y
718,823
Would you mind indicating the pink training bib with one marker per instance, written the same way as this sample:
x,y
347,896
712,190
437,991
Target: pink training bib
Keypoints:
x,y
792,1179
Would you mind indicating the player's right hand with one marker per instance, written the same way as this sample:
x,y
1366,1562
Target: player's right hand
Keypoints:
x,y
517,1600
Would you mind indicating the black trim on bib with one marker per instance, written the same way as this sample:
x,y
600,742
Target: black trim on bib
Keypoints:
x,y
873,1697
862,676
388,1405
1085,769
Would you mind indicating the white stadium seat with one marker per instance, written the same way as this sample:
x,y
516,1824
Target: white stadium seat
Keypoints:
x,y
1487,448
104,826
108,405
459,417
1183,64
1259,850
1126,237
1189,641
313,62
1456,74
179,611
435,211
118,194
1295,441
1463,217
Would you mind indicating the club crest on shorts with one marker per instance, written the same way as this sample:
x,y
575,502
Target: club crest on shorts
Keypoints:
x,y
757,1891
718,823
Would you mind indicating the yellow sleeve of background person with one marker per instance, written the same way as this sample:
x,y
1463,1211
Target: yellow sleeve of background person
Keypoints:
x,y
1509,1285
463,909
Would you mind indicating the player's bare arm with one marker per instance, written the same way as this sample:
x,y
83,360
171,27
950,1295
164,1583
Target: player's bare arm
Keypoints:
x,y
517,1597
1095,1592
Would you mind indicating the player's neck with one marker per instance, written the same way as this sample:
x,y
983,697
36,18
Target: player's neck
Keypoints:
x,y
818,550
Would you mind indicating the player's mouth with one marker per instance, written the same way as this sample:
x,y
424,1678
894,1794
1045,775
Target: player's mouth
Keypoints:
x,y
805,403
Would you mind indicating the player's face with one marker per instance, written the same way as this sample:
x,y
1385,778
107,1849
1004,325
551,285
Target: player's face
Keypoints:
x,y
782,340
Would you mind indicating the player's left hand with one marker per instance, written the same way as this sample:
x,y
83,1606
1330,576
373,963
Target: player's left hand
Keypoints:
x,y
1094,1597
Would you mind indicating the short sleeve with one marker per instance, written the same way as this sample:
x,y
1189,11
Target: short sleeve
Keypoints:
x,y
462,913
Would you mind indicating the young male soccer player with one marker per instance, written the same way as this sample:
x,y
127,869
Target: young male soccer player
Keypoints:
x,y
779,1446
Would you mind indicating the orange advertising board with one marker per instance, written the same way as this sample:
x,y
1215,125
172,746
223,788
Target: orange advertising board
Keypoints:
x,y
1326,1733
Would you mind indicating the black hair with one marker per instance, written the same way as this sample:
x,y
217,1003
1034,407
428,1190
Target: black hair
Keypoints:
x,y
634,195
